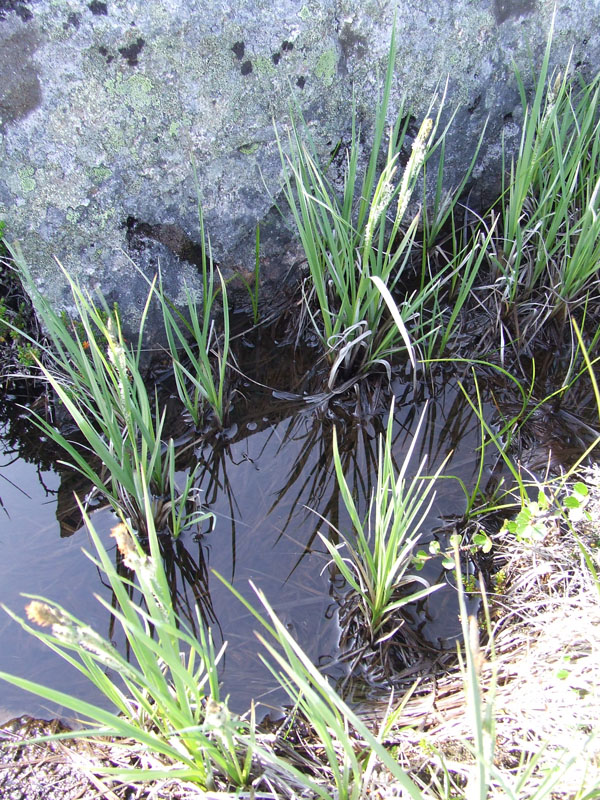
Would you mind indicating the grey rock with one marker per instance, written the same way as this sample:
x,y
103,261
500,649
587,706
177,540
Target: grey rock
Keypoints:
x,y
117,116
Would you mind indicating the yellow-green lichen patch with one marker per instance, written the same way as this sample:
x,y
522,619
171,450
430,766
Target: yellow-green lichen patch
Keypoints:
x,y
27,180
105,217
248,149
114,139
184,122
136,90
263,66
326,65
99,174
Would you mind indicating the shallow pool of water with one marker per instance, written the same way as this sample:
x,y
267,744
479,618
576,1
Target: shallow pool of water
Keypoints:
x,y
269,480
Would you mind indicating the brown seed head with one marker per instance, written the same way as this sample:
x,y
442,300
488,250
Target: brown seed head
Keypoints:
x,y
42,614
124,539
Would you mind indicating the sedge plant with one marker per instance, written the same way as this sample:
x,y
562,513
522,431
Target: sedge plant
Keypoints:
x,y
364,233
351,753
549,226
374,561
165,698
439,327
97,377
192,339
253,287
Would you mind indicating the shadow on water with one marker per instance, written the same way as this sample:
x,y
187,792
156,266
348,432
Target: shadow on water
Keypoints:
x,y
269,480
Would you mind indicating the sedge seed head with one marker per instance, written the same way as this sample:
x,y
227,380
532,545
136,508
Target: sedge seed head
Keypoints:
x,y
124,539
43,614
425,129
128,548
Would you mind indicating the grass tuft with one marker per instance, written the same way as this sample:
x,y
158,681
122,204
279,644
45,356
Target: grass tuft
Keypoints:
x,y
166,698
360,236
375,560
96,375
192,339
549,225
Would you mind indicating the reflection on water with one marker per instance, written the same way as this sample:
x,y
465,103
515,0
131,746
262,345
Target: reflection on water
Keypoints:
x,y
270,482
36,561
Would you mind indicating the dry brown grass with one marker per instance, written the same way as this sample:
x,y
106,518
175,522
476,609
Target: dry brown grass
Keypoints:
x,y
542,675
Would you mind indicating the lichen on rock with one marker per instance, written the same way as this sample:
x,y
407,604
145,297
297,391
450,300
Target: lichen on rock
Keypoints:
x,y
113,110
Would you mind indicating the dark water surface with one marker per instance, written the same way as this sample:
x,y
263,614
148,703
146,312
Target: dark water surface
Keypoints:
x,y
263,479
35,560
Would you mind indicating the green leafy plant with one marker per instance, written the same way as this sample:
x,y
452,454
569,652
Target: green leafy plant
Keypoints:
x,y
11,321
554,503
28,354
479,541
575,503
533,522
